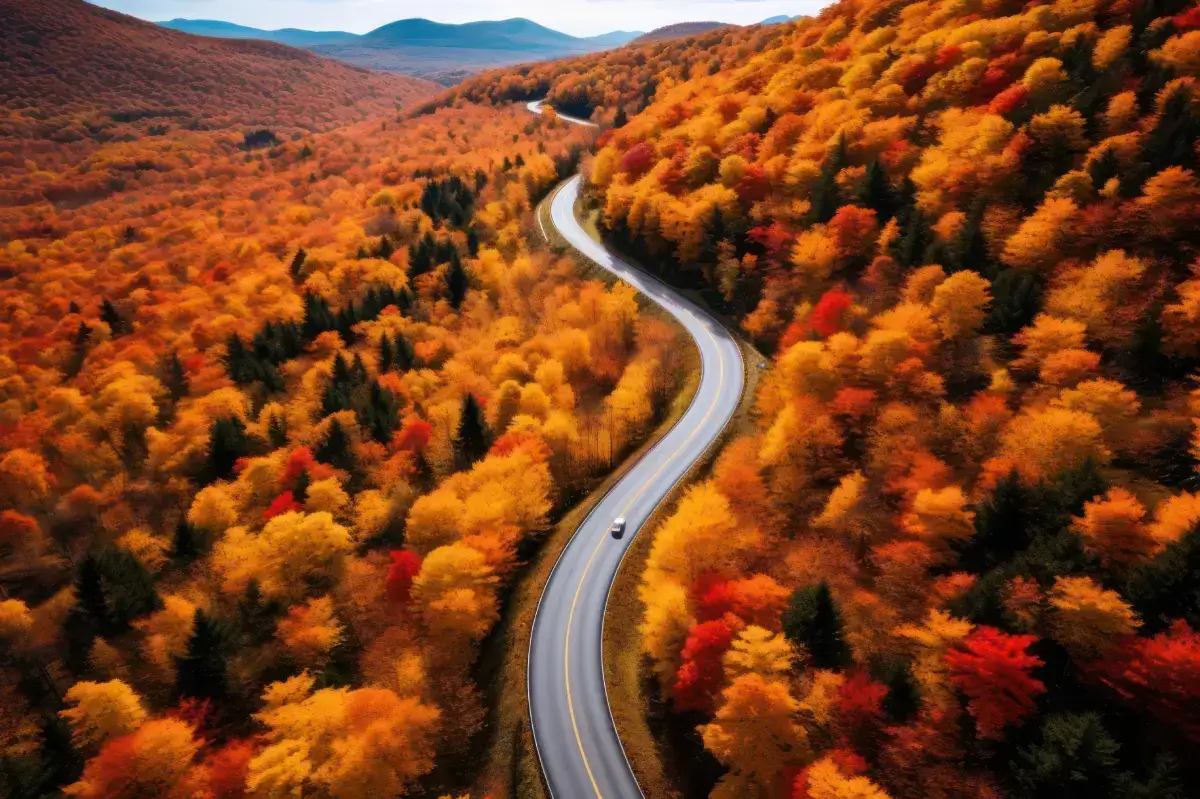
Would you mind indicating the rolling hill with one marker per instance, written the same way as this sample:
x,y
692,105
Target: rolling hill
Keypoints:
x,y
73,71
680,30
228,30
424,48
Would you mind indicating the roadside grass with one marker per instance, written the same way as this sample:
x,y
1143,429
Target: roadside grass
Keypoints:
x,y
630,688
510,766
625,671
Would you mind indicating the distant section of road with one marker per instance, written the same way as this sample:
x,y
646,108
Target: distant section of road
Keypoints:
x,y
537,105
576,738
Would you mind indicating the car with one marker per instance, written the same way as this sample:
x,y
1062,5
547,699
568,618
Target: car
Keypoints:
x,y
618,528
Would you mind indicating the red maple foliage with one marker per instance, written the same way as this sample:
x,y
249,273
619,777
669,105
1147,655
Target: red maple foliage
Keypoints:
x,y
413,435
300,460
1160,674
700,673
1009,100
284,503
828,316
754,185
994,669
853,403
404,569
515,440
712,596
638,160
860,699
227,768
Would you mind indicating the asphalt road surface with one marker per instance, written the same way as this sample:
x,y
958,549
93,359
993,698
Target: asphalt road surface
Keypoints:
x,y
581,754
536,107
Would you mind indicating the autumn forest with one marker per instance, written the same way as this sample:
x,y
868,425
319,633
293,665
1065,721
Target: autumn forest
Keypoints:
x,y
295,390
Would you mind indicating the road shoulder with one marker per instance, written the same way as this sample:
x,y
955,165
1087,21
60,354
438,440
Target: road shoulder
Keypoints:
x,y
510,767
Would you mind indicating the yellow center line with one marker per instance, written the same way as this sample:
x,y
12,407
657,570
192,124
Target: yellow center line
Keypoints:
x,y
587,567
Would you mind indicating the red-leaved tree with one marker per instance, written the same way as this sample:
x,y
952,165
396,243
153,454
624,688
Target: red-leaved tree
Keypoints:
x,y
1160,674
404,569
700,673
283,503
994,669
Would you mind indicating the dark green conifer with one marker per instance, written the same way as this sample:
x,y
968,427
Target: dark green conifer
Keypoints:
x,y
201,670
811,620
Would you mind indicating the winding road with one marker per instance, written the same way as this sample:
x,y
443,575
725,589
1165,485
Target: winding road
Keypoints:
x,y
577,742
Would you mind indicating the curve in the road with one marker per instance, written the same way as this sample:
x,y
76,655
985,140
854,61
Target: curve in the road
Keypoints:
x,y
574,732
537,106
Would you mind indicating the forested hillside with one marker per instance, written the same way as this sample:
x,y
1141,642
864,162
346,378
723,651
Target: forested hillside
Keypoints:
x,y
960,553
276,429
610,86
74,74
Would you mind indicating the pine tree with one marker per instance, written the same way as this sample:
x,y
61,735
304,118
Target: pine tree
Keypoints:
x,y
256,615
811,620
404,356
1075,756
903,699
877,193
175,377
317,316
338,388
335,449
187,544
1003,525
1104,169
715,233
381,415
237,360
385,248
226,445
111,317
969,249
1172,140
621,119
296,267
89,615
358,370
277,431
825,200
1016,300
79,350
909,251
472,443
200,672
112,588
1168,587
457,282
129,588
1162,783
385,353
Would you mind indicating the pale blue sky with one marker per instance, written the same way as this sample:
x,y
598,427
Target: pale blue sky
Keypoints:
x,y
578,17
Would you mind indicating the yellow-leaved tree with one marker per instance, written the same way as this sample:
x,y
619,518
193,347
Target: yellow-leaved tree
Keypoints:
x,y
101,711
1086,618
755,735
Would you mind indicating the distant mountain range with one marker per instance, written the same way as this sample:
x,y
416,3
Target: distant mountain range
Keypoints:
x,y
679,30
424,48
778,19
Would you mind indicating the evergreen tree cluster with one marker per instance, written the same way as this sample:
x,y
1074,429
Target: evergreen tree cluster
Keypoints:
x,y
112,589
278,342
351,388
448,200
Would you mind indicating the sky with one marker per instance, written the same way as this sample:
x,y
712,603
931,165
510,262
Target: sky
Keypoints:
x,y
577,17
